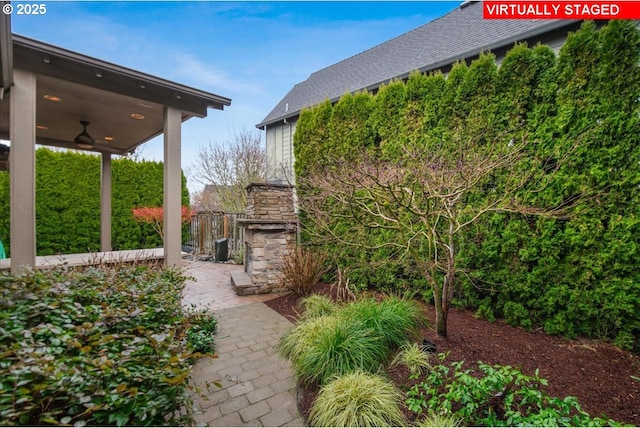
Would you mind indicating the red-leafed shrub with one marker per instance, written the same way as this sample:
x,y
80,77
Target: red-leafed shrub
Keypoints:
x,y
155,217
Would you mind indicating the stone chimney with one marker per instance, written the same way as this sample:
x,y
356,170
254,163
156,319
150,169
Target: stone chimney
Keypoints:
x,y
270,231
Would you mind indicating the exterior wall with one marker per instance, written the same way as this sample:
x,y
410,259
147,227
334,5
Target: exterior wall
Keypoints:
x,y
280,156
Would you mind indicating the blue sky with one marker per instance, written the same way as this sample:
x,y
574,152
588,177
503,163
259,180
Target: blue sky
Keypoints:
x,y
251,52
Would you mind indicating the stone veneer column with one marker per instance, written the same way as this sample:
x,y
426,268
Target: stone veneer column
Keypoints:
x,y
270,231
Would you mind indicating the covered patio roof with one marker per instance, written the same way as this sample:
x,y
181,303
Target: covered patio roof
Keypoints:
x,y
124,107
45,93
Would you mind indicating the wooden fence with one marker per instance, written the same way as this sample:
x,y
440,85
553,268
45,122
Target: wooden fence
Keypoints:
x,y
206,228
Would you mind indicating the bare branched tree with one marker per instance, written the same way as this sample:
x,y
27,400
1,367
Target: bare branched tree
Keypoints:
x,y
228,168
428,196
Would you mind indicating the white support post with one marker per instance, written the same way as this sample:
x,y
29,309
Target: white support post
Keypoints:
x,y
22,161
172,187
105,202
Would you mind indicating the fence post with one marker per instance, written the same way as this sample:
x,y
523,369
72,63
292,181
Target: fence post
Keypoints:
x,y
200,234
225,226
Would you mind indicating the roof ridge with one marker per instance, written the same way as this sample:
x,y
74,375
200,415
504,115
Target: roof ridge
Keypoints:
x,y
460,33
390,40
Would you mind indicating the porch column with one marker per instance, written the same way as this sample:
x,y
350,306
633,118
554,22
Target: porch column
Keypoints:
x,y
172,187
105,202
22,161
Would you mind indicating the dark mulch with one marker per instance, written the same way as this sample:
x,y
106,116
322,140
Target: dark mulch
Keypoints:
x,y
599,374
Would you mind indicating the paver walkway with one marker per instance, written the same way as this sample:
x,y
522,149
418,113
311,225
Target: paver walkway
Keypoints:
x,y
258,388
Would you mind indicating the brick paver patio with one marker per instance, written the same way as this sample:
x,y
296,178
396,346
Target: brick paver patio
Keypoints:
x,y
258,388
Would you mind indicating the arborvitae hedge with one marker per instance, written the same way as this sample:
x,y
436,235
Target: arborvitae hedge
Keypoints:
x,y
573,277
68,202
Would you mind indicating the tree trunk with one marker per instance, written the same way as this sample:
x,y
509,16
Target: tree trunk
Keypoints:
x,y
443,297
441,324
441,313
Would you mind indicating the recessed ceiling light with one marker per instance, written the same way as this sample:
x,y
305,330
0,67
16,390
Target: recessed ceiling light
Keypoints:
x,y
137,116
145,105
108,138
52,98
42,127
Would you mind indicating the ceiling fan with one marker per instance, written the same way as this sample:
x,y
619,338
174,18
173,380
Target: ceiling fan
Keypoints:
x,y
84,140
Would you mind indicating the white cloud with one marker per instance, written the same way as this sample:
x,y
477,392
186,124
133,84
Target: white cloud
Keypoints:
x,y
187,67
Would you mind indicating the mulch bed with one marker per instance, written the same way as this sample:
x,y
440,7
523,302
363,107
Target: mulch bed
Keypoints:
x,y
599,374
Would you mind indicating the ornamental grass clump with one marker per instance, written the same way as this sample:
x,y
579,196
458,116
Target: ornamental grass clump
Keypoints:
x,y
303,336
100,346
317,305
360,335
358,400
396,320
433,420
301,270
322,347
413,358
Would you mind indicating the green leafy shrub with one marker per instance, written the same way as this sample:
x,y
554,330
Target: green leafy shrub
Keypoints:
x,y
201,333
99,346
358,400
68,210
503,396
316,305
301,270
516,314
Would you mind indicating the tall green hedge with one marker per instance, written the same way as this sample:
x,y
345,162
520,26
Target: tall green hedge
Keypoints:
x,y
575,277
68,202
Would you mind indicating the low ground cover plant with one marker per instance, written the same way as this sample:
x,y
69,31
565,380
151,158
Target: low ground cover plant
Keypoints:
x,y
500,396
201,334
362,335
98,346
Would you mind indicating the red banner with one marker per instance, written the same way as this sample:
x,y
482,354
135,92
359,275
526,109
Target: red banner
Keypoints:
x,y
561,9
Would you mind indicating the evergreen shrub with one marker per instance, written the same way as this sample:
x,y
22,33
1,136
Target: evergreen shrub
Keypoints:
x,y
573,276
96,346
68,202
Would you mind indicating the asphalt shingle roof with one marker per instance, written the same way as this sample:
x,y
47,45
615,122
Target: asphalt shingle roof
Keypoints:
x,y
460,34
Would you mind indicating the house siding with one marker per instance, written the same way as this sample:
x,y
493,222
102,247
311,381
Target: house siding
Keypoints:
x,y
280,156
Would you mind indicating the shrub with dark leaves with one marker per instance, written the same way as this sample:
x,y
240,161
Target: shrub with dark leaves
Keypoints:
x,y
99,346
